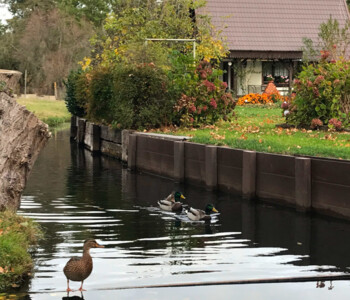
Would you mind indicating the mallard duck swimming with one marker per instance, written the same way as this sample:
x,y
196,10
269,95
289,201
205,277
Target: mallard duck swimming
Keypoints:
x,y
79,268
172,202
201,215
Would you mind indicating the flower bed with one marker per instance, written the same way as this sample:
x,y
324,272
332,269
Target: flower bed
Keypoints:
x,y
260,99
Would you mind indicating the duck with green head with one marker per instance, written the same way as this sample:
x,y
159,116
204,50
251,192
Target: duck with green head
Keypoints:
x,y
200,215
172,202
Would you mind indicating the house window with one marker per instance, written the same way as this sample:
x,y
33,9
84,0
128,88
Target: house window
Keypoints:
x,y
277,71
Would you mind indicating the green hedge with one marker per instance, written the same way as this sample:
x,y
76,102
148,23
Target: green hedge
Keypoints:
x,y
145,96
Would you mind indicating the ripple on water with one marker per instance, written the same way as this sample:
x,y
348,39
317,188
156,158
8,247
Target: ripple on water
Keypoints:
x,y
144,245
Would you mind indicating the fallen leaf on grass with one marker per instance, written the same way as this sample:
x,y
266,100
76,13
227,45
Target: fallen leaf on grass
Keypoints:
x,y
260,141
251,129
2,270
243,137
329,137
299,147
216,136
269,121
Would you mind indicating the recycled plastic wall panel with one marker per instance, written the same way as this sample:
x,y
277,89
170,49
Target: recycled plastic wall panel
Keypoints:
x,y
195,162
155,155
230,169
275,177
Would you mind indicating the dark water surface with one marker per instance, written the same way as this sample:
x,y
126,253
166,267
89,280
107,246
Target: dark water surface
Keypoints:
x,y
76,196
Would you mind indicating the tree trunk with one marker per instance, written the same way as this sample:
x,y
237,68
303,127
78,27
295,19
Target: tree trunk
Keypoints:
x,y
11,78
22,136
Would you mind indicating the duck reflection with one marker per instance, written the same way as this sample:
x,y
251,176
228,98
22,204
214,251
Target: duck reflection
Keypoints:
x,y
75,297
321,285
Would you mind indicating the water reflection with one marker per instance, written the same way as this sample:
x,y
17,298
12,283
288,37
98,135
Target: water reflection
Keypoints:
x,y
76,196
74,297
322,284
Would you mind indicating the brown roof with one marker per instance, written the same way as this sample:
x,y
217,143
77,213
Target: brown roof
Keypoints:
x,y
272,25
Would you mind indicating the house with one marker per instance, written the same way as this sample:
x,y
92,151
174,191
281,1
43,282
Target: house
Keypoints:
x,y
265,37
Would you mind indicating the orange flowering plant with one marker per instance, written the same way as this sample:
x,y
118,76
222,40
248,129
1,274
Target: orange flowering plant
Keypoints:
x,y
255,98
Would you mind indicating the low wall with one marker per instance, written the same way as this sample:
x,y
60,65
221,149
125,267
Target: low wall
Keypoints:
x,y
306,183
101,139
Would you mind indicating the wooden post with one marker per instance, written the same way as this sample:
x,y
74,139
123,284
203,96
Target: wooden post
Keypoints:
x,y
81,130
95,138
249,175
25,83
73,127
55,89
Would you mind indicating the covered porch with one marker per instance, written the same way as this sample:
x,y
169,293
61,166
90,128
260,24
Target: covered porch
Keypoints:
x,y
250,71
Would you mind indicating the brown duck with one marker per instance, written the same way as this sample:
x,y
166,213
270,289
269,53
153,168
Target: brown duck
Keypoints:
x,y
79,268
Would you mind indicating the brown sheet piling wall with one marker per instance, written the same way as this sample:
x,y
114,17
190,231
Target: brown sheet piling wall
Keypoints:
x,y
306,183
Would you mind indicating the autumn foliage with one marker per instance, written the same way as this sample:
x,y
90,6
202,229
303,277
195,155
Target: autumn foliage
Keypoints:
x,y
254,98
205,100
323,93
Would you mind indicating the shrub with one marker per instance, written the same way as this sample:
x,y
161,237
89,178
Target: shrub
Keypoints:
x,y
316,123
334,123
100,105
204,99
76,89
321,93
129,96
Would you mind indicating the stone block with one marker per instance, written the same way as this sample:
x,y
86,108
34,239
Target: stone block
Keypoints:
x,y
111,134
111,149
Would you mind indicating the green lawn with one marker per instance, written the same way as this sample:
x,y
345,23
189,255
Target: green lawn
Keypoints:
x,y
254,128
52,112
17,236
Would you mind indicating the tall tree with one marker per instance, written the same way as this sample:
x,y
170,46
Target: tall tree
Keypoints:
x,y
126,31
51,44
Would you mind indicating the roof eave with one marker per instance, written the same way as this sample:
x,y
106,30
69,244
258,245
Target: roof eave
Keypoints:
x,y
257,54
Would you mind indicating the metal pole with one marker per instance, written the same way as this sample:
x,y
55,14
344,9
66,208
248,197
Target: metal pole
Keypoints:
x,y
176,40
194,50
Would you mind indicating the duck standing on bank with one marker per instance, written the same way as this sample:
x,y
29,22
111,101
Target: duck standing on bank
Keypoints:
x,y
172,202
79,268
200,215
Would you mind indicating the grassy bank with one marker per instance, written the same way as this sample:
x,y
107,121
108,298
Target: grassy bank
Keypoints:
x,y
17,236
255,129
52,112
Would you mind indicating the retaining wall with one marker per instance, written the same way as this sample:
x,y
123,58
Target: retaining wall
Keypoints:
x,y
306,183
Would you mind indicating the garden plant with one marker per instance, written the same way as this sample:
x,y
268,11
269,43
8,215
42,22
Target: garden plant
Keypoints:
x,y
322,95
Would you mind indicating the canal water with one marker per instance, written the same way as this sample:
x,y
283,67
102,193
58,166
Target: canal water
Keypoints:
x,y
76,196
